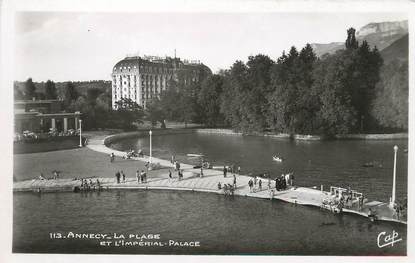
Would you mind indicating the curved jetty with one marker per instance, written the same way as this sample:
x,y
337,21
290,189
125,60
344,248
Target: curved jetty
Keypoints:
x,y
193,181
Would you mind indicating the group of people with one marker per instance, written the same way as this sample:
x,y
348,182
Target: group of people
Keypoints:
x,y
252,183
228,189
55,175
232,169
131,153
141,176
179,175
283,181
176,166
118,175
227,186
86,186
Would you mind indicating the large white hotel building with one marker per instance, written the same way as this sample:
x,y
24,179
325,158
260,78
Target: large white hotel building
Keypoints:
x,y
143,78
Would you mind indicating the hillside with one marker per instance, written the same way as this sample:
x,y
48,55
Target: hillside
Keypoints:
x,y
380,35
397,50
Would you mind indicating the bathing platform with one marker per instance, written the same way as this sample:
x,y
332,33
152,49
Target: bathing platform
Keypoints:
x,y
192,181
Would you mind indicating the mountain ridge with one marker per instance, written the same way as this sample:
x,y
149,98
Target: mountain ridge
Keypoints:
x,y
381,35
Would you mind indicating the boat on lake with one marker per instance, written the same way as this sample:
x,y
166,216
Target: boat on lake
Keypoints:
x,y
194,155
277,158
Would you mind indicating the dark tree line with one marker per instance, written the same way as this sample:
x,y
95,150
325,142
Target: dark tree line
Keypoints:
x,y
298,93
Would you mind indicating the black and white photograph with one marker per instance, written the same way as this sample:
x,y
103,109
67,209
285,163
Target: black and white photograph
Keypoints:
x,y
192,130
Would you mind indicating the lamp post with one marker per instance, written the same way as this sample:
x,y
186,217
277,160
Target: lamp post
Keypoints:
x,y
395,148
150,132
80,133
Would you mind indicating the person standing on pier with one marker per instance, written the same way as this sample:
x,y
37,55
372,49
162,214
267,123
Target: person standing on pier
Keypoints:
x,y
225,171
201,171
142,176
291,178
283,182
117,175
137,176
234,181
260,185
250,184
123,176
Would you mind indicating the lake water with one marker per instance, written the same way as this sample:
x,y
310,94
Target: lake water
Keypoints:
x,y
225,225
221,224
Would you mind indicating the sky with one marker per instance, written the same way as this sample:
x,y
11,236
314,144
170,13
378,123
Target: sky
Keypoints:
x,y
63,46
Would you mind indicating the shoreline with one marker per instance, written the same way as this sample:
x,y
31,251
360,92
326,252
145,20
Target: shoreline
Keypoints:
x,y
285,136
306,137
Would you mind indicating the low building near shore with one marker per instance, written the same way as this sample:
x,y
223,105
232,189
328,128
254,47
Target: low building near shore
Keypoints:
x,y
43,115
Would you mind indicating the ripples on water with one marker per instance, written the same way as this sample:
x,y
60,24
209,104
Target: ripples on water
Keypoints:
x,y
223,225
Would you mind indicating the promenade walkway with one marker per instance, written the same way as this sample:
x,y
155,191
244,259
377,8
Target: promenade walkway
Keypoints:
x,y
192,181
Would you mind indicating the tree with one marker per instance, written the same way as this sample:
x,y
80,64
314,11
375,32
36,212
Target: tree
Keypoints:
x,y
246,88
234,87
18,94
50,90
390,106
30,89
284,99
361,69
70,94
92,95
186,106
209,100
128,113
102,110
336,114
351,42
307,102
156,113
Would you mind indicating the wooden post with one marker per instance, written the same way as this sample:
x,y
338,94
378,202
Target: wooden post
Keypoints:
x,y
395,148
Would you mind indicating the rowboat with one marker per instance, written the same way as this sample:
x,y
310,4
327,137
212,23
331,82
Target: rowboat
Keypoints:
x,y
194,155
277,159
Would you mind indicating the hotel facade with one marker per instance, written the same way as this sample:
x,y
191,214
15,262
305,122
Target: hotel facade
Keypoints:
x,y
143,79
